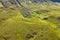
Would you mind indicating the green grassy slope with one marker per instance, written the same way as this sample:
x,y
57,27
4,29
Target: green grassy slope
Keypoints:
x,y
42,25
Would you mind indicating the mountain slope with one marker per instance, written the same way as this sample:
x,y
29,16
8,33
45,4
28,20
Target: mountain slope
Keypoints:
x,y
32,21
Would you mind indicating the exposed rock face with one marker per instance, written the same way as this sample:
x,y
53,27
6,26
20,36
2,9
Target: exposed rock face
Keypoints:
x,y
15,2
4,3
24,10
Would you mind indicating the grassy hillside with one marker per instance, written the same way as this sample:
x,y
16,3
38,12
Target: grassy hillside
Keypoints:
x,y
44,23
